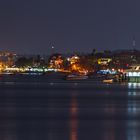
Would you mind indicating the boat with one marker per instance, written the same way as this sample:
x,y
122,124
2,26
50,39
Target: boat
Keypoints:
x,y
76,77
108,81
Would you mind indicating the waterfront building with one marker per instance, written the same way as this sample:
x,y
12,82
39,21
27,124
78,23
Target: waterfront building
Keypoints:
x,y
7,59
56,61
133,73
104,61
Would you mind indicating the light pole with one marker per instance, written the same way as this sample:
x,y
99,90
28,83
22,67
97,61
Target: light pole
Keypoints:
x,y
52,49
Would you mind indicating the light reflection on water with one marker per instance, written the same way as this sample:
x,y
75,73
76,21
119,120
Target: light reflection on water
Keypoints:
x,y
73,119
133,112
134,85
69,114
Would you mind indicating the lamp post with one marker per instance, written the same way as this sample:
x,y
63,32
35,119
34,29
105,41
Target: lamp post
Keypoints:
x,y
52,49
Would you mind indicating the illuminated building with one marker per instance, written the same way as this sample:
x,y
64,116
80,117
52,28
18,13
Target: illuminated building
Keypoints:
x,y
133,73
76,64
7,58
104,61
74,59
56,61
2,66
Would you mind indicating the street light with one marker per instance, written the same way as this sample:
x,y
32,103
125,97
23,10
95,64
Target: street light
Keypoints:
x,y
52,48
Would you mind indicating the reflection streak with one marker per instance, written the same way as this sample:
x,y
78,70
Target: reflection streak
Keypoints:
x,y
73,119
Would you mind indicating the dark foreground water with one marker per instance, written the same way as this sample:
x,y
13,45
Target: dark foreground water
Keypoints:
x,y
69,111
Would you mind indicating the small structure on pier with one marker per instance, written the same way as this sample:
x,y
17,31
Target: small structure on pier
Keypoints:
x,y
133,73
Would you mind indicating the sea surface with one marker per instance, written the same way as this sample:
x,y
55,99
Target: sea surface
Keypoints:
x,y
42,108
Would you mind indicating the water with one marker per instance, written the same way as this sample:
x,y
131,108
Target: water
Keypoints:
x,y
53,110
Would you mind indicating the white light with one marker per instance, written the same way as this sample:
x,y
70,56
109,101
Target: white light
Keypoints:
x,y
136,74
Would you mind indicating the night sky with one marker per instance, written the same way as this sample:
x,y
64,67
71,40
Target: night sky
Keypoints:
x,y
33,26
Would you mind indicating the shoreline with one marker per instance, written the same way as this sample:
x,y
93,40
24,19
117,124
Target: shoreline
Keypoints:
x,y
70,85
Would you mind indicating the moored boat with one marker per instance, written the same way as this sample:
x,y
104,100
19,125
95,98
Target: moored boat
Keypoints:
x,y
108,81
76,77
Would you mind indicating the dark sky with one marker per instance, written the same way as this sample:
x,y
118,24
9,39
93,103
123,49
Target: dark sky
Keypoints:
x,y
33,26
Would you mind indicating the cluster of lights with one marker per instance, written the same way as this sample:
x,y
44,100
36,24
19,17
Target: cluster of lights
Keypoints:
x,y
15,69
112,71
134,85
104,61
133,74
